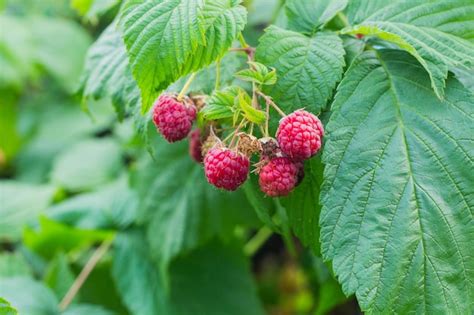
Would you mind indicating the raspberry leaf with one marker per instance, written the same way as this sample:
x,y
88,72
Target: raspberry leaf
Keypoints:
x,y
140,284
220,105
308,68
258,73
310,15
397,216
302,205
107,72
169,39
435,33
249,112
181,209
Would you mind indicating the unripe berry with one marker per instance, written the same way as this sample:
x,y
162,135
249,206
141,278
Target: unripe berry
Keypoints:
x,y
300,134
279,176
172,118
225,168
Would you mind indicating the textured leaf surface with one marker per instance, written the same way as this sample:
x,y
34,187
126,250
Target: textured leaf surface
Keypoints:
x,y
398,199
168,39
435,33
107,72
309,15
182,209
302,205
191,291
308,68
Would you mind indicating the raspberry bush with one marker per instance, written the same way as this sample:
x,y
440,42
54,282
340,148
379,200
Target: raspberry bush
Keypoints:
x,y
340,133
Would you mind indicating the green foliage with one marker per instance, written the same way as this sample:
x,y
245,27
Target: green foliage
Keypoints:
x,y
308,16
141,285
6,308
433,32
19,292
389,207
87,165
383,216
21,204
175,37
308,68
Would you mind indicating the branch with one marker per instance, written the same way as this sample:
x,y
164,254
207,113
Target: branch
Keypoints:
x,y
85,272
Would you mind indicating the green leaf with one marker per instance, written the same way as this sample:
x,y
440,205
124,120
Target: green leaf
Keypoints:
x,y
397,216
55,53
6,308
107,72
308,68
52,237
13,264
303,208
249,112
138,281
28,296
221,104
87,165
205,79
433,32
183,210
258,73
359,10
309,15
59,276
21,203
87,309
91,9
190,290
190,276
264,207
168,39
112,206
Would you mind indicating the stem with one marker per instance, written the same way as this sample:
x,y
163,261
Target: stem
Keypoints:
x,y
218,74
242,41
266,120
343,19
269,100
236,131
254,244
85,272
186,86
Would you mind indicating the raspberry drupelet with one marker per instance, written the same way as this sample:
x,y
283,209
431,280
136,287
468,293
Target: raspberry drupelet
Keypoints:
x,y
173,118
300,135
225,168
279,176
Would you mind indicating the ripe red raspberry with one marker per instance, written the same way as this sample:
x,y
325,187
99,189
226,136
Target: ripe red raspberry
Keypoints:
x,y
299,135
226,168
173,119
279,176
195,145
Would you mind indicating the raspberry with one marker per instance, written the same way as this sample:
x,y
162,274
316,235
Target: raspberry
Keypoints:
x,y
225,168
279,176
299,135
195,145
173,119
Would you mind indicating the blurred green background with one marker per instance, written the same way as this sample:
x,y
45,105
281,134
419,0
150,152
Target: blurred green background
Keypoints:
x,y
72,175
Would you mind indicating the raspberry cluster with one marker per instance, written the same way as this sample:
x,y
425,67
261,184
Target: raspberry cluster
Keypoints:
x,y
281,166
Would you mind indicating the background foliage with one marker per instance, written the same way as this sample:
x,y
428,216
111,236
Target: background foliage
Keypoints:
x,y
382,221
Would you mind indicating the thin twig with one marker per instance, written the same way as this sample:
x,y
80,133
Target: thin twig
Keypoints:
x,y
269,100
186,86
236,131
267,119
218,75
85,272
254,244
